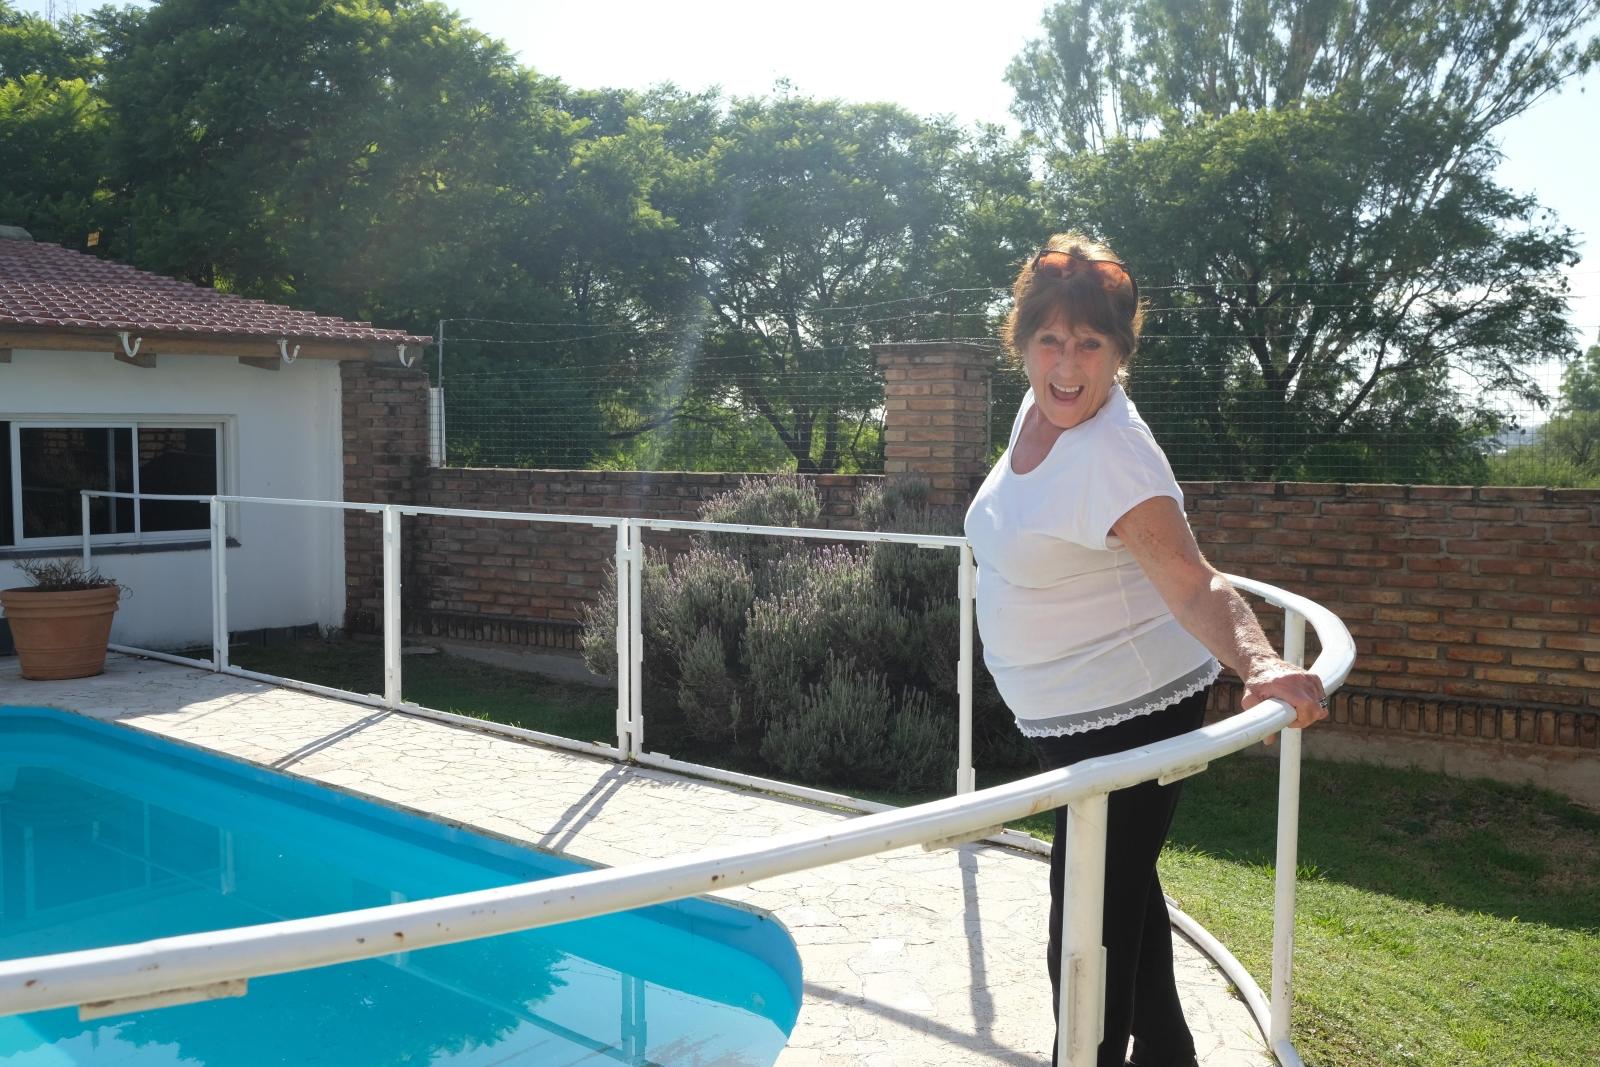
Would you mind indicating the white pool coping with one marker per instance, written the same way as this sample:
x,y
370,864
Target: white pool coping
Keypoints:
x,y
909,958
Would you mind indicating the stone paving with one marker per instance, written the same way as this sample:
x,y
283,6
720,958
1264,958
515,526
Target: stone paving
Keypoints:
x,y
909,957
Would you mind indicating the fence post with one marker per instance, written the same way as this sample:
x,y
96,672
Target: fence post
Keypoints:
x,y
83,527
624,630
1081,1022
436,427
966,776
1294,650
219,585
391,606
635,641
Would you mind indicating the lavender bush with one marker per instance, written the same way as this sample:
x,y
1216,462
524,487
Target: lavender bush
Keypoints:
x,y
829,664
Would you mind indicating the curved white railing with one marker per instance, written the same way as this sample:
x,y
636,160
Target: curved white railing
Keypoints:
x,y
219,963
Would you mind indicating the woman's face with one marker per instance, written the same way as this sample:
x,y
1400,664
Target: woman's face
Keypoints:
x,y
1071,370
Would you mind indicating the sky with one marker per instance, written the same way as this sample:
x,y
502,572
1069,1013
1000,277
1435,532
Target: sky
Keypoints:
x,y
941,57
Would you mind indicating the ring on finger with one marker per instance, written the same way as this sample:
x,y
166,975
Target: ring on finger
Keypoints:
x,y
1323,703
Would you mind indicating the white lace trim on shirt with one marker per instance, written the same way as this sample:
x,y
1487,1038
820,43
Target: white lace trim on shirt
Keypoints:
x,y
1111,717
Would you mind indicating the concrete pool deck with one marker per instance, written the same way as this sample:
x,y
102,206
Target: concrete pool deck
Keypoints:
x,y
909,957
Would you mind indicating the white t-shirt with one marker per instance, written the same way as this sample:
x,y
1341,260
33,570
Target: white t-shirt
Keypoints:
x,y
1073,631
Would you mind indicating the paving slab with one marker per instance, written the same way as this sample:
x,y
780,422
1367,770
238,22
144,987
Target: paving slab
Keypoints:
x,y
909,957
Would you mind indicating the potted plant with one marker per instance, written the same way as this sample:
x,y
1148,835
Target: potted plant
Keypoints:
x,y
61,623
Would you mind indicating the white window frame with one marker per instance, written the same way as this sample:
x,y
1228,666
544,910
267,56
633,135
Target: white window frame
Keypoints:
x,y
108,422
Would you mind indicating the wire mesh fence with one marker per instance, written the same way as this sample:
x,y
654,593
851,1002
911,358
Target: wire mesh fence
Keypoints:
x,y
574,418
1225,404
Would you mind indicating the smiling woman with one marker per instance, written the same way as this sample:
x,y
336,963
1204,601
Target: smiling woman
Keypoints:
x,y
1103,626
1075,323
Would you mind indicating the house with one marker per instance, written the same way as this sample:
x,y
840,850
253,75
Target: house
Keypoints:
x,y
113,378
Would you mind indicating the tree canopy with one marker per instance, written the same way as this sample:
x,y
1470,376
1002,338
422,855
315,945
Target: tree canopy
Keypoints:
x,y
1111,69
1313,185
804,227
1337,285
1572,436
52,124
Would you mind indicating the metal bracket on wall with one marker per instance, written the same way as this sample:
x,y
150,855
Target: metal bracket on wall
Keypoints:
x,y
130,353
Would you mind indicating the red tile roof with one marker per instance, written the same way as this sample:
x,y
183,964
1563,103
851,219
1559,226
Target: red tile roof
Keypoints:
x,y
45,285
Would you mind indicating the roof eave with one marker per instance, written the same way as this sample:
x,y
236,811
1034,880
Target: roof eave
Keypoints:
x,y
223,345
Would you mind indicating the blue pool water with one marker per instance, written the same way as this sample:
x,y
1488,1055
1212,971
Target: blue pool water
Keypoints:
x,y
109,836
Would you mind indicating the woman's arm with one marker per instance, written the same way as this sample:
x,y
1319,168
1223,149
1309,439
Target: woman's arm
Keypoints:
x,y
1212,610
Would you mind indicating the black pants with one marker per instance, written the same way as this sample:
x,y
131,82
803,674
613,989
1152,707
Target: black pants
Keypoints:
x,y
1141,995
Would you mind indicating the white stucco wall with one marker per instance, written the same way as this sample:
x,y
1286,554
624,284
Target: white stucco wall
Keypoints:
x,y
281,438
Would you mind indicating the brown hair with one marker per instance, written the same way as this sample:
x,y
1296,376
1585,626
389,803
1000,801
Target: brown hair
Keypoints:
x,y
1081,298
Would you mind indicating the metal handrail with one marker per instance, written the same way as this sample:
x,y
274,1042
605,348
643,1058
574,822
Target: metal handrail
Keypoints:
x,y
219,963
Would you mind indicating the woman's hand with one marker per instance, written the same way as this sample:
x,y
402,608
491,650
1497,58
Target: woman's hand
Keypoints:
x,y
1271,678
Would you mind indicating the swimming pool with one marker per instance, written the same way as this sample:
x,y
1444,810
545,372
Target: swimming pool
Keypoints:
x,y
109,836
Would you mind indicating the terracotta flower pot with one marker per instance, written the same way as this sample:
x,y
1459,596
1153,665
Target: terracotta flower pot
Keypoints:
x,y
60,634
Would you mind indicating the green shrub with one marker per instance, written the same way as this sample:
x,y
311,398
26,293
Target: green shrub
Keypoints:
x,y
599,641
704,589
781,500
924,582
846,730
708,694
837,732
818,600
823,663
910,574
1533,465
922,743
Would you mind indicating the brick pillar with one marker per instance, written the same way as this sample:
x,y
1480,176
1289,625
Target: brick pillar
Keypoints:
x,y
385,427
936,406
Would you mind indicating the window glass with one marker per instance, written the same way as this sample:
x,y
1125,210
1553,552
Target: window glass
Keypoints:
x,y
8,536
178,461
57,462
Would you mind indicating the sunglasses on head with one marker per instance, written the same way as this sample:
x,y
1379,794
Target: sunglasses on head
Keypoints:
x,y
1051,263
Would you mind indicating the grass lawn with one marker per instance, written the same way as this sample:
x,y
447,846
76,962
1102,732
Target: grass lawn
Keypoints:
x,y
445,683
1440,922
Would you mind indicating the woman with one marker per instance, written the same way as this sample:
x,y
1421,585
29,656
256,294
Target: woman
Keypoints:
x,y
1102,623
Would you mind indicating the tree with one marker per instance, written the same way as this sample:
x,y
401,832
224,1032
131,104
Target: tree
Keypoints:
x,y
1308,190
807,229
52,127
372,159
644,266
68,50
722,317
1112,69
1573,434
1580,383
381,160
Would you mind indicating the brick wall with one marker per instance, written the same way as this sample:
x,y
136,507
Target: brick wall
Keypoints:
x,y
385,424
1475,611
1472,595
528,584
936,412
